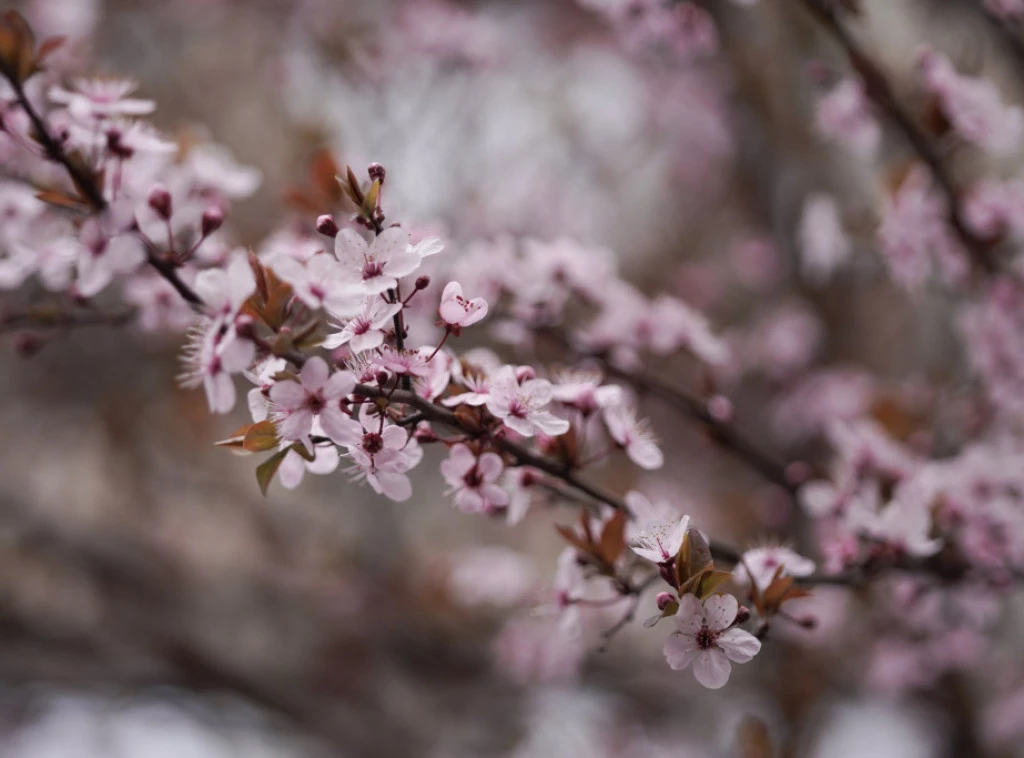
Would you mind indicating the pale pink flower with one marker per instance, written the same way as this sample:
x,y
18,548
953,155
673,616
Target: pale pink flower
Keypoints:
x,y
102,98
212,167
379,264
316,396
319,284
824,245
522,406
225,290
473,480
582,390
761,563
844,114
707,639
382,452
973,106
108,250
904,525
407,362
675,325
914,234
210,357
656,540
993,207
294,467
439,374
457,311
367,328
633,435
478,392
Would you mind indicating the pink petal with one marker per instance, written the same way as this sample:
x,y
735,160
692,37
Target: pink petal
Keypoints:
x,y
720,611
680,651
314,374
712,668
739,645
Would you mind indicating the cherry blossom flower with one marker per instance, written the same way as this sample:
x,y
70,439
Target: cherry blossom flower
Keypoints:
x,y
633,435
659,541
479,391
582,389
492,576
824,246
382,452
102,98
318,283
213,168
316,396
707,639
108,250
379,264
406,362
209,360
844,114
367,328
294,467
458,312
973,106
522,406
473,480
761,563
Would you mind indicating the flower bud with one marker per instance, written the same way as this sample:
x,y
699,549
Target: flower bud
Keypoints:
x,y
663,599
382,378
525,374
742,615
27,344
422,282
720,408
327,226
213,217
160,201
376,171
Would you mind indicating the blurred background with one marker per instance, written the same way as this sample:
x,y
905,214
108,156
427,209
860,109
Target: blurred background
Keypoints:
x,y
154,604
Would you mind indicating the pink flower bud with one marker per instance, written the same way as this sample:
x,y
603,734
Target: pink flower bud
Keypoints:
x,y
742,615
720,408
376,171
327,226
160,201
525,374
663,599
422,282
213,217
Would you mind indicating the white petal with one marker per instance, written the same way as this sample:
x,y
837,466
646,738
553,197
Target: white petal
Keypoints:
x,y
739,645
712,668
720,611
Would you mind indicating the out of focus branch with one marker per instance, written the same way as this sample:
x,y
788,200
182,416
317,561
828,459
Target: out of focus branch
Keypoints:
x,y
879,90
52,317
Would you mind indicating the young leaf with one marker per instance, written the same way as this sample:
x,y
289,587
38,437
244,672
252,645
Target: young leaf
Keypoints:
x,y
266,471
260,437
613,538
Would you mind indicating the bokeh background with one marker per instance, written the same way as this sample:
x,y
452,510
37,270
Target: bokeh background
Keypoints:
x,y
154,604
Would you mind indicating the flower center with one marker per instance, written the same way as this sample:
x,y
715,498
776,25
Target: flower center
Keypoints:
x,y
372,269
316,402
705,638
360,326
518,409
373,442
473,479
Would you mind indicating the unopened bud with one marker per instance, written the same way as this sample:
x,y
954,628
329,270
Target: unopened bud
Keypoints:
x,y
720,408
382,378
160,201
376,171
425,434
422,282
327,226
663,599
742,615
213,217
525,374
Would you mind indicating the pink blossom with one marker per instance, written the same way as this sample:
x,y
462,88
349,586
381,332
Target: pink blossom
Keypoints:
x,y
457,311
914,235
994,207
316,396
1008,9
522,406
761,563
824,246
634,436
678,326
492,576
473,480
403,363
102,98
108,250
318,283
368,327
973,106
658,534
214,169
844,114
706,638
210,358
582,390
379,264
383,453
